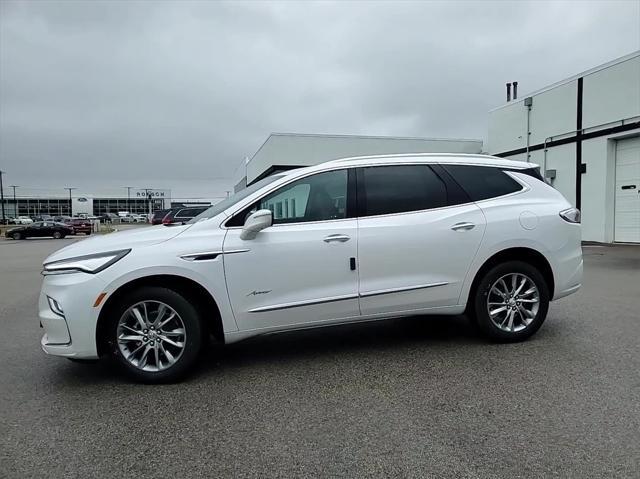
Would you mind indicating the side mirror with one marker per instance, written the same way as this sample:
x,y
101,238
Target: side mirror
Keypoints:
x,y
255,223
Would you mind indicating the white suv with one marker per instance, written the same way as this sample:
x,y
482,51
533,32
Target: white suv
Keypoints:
x,y
349,240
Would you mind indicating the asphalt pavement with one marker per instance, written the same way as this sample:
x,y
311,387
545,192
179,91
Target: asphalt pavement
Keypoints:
x,y
418,397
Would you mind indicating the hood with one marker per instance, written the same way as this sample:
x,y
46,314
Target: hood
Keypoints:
x,y
133,238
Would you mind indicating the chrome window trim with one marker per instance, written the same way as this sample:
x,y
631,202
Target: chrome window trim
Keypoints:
x,y
525,188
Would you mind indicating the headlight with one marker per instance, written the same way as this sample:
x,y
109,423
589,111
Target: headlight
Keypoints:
x,y
93,263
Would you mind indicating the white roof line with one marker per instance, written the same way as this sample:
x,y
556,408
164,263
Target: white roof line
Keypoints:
x,y
585,73
410,155
328,135
446,157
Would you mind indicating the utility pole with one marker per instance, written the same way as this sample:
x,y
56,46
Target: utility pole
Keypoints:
x,y
129,188
2,196
15,203
70,201
149,195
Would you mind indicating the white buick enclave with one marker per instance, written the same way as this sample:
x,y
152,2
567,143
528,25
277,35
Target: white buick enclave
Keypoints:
x,y
350,240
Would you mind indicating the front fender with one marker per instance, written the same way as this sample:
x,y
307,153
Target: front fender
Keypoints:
x,y
208,274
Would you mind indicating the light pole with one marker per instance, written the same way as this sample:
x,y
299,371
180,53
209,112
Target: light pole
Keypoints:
x,y
70,201
2,196
148,193
15,203
129,188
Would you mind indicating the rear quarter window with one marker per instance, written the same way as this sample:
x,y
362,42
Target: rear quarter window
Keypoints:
x,y
483,182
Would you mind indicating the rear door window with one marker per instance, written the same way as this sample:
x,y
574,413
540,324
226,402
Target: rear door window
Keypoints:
x,y
399,189
483,182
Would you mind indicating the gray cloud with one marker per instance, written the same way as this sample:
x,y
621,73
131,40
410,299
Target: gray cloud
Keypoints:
x,y
143,92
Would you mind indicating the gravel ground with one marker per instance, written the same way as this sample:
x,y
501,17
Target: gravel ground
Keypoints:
x,y
419,397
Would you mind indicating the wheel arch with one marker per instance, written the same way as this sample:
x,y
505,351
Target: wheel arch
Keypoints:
x,y
527,255
189,288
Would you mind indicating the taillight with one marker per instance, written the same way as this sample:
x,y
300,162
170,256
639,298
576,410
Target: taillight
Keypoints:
x,y
571,215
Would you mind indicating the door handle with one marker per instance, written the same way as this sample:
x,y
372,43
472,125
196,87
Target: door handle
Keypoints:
x,y
463,226
337,237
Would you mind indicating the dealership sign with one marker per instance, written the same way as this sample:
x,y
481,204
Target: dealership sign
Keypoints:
x,y
150,193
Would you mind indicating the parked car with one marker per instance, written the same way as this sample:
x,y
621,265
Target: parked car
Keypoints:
x,y
39,229
43,218
109,218
61,218
23,220
349,240
157,216
80,225
182,215
139,218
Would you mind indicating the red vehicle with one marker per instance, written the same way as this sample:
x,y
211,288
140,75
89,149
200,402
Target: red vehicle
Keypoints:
x,y
80,225
157,217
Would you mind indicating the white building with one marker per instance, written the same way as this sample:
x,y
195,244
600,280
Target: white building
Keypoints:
x,y
585,133
286,151
54,202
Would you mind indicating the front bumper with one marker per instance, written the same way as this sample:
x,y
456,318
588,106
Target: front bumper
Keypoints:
x,y
70,331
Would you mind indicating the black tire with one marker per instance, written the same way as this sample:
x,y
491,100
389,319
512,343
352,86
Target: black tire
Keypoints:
x,y
192,324
480,302
16,236
57,235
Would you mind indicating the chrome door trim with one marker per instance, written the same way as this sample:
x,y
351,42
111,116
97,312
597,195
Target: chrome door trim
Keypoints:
x,y
402,289
331,299
309,302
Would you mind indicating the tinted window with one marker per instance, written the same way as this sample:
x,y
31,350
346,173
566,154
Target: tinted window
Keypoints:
x,y
482,182
314,198
401,188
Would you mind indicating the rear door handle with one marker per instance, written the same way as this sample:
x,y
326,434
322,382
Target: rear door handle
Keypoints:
x,y
463,226
337,237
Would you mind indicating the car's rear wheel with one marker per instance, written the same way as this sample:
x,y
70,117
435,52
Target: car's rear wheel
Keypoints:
x,y
156,334
511,302
57,235
17,236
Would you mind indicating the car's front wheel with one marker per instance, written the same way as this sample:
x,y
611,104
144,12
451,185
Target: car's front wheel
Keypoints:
x,y
57,235
17,236
511,301
156,334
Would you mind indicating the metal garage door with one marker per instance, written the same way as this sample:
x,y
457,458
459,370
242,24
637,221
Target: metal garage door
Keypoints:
x,y
627,218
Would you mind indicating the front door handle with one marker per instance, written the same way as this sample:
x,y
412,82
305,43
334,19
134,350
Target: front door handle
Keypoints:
x,y
463,226
337,237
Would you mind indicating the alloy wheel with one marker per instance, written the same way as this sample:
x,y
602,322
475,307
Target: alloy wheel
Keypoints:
x,y
513,302
151,336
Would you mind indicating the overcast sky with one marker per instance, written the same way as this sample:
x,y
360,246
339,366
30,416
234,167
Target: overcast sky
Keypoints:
x,y
175,94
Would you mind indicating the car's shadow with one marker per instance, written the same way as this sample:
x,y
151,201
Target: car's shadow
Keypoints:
x,y
304,345
343,339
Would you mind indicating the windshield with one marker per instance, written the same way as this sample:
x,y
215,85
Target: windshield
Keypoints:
x,y
233,199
